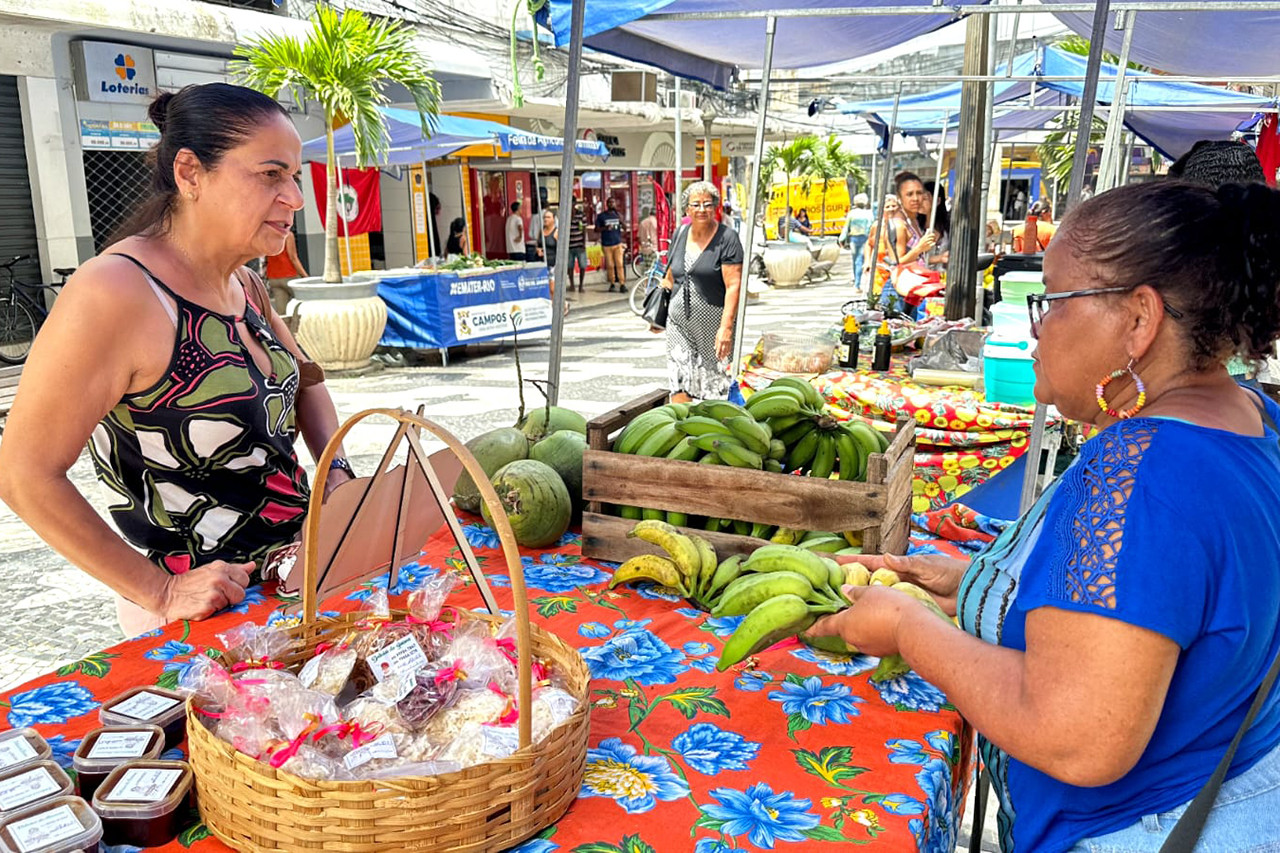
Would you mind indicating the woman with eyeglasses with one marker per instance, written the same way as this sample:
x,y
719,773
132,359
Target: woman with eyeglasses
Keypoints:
x,y
704,274
1114,638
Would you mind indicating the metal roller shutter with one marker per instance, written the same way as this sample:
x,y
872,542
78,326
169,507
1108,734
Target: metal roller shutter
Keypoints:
x,y
18,222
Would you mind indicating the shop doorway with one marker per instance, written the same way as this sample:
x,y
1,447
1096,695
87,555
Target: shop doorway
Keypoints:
x,y
18,227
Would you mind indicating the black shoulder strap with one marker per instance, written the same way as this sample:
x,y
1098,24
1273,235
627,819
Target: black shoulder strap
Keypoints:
x,y
148,273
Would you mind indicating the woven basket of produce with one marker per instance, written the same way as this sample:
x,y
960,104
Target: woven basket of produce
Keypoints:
x,y
494,783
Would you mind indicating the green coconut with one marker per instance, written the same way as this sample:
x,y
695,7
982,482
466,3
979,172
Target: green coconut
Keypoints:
x,y
562,450
492,450
545,420
536,502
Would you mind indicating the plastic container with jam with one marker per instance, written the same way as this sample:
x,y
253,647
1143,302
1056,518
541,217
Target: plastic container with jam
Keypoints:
x,y
29,784
103,750
22,746
60,825
144,803
154,705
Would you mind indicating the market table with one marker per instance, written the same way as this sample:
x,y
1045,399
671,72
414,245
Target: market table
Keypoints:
x,y
961,439
792,746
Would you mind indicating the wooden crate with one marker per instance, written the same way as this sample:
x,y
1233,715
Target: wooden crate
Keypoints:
x,y
880,507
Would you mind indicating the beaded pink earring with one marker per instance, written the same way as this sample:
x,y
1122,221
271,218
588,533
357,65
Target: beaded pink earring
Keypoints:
x,y
1136,407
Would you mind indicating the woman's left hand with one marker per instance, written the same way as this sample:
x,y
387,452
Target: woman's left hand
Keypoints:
x,y
871,623
724,343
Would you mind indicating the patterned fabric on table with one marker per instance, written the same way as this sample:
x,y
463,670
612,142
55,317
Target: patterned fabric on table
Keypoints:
x,y
795,750
961,439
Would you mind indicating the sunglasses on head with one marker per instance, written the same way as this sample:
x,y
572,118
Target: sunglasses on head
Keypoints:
x,y
1038,304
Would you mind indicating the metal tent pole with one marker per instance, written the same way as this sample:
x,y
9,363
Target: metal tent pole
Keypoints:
x,y
1031,474
426,186
937,175
1115,121
886,174
675,202
570,133
753,201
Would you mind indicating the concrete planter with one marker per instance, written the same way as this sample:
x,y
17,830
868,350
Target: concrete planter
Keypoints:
x,y
338,324
829,249
787,263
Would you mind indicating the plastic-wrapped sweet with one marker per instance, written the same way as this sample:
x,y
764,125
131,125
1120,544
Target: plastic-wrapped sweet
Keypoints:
x,y
431,621
434,690
482,661
551,707
329,671
374,715
249,729
303,711
476,743
254,646
469,706
310,763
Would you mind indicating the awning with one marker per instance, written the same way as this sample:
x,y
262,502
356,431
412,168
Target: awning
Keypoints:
x,y
1177,114
710,50
1209,43
408,144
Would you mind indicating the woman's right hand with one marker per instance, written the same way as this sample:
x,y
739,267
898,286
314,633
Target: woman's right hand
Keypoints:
x,y
937,574
204,590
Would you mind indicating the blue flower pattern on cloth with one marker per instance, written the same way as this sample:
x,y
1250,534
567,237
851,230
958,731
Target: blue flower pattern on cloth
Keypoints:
x,y
816,702
761,815
636,782
910,692
594,630
638,654
50,704
63,750
842,665
936,833
709,749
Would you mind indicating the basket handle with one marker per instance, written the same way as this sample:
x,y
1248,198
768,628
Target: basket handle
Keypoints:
x,y
510,550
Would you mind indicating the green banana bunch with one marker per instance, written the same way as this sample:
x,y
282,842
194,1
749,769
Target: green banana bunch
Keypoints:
x,y
774,620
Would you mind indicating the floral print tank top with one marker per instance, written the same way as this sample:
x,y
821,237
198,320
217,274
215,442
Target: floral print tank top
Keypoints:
x,y
201,465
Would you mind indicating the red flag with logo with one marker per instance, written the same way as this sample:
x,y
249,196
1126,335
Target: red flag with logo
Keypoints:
x,y
359,199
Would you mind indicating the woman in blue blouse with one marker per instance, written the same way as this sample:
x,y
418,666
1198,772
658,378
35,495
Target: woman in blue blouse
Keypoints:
x,y
1114,637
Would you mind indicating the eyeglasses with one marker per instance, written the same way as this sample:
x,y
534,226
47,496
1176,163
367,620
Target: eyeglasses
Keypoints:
x,y
1038,304
702,205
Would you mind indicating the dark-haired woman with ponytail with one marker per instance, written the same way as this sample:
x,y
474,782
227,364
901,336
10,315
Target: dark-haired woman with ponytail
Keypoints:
x,y
163,353
1113,640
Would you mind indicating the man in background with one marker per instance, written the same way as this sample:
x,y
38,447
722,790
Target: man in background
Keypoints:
x,y
515,234
647,233
854,234
577,243
1041,214
609,227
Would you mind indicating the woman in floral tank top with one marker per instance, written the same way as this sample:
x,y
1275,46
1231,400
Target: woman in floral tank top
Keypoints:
x,y
165,356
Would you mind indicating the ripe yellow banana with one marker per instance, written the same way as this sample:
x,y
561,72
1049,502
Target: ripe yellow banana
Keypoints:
x,y
884,577
856,574
922,596
681,548
649,567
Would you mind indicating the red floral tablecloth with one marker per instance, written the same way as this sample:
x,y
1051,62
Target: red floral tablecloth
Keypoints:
x,y
961,439
796,750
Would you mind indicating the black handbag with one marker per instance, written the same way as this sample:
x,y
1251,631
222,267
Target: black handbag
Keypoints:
x,y
656,304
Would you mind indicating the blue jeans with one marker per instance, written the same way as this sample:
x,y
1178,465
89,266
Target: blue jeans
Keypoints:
x,y
1245,817
857,243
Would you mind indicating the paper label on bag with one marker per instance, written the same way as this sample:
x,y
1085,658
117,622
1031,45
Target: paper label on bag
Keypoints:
x,y
45,829
15,751
403,657
144,706
146,785
120,745
500,742
383,747
26,788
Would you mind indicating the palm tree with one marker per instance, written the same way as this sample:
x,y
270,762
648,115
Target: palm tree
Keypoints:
x,y
830,161
795,160
345,63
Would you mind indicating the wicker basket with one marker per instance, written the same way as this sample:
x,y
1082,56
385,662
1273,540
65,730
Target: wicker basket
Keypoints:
x,y
251,806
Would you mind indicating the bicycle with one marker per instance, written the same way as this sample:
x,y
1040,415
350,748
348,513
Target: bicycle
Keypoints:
x,y
641,262
22,313
651,278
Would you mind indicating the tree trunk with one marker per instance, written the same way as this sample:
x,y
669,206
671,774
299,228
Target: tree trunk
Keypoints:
x,y
332,262
786,212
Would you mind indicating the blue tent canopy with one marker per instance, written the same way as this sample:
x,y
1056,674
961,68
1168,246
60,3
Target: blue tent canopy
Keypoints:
x,y
710,50
410,145
1210,112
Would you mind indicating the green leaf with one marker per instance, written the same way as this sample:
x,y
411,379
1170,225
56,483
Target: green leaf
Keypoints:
x,y
830,763
597,847
824,833
168,679
796,723
792,678
96,665
551,605
709,822
691,700
192,834
635,844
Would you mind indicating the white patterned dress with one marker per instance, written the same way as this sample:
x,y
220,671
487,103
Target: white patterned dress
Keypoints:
x,y
697,306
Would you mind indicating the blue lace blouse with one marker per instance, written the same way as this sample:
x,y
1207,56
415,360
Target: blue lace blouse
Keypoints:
x,y
1172,527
